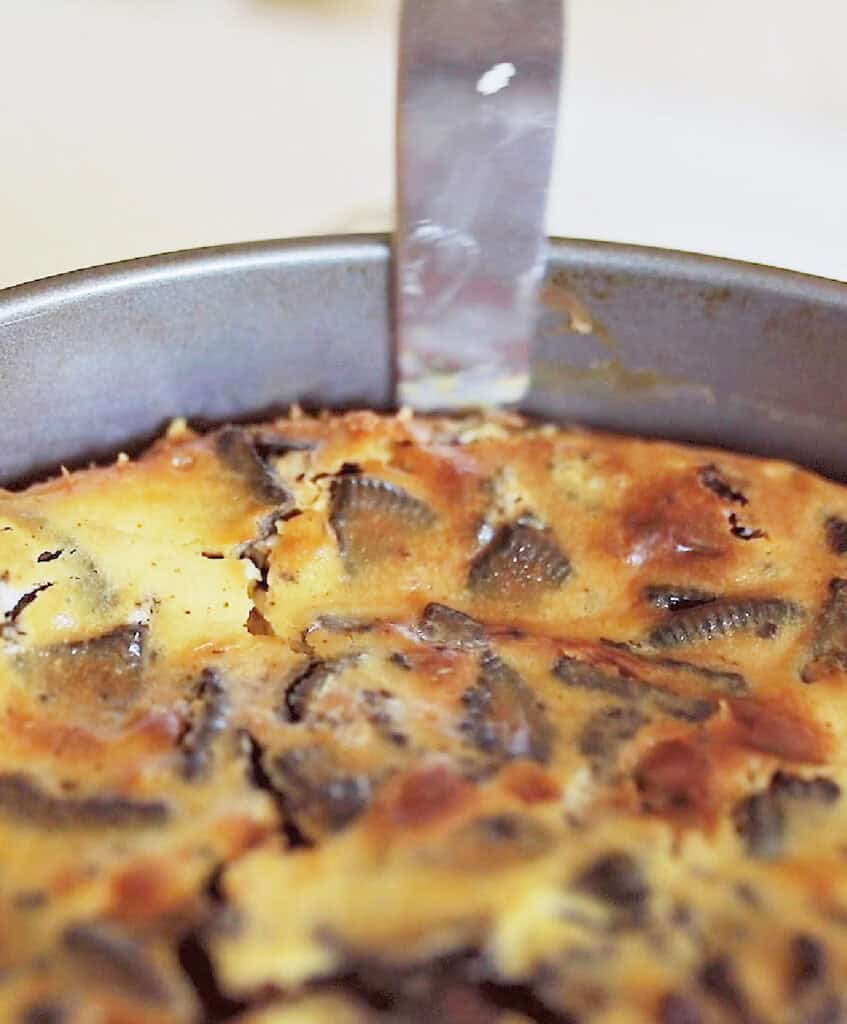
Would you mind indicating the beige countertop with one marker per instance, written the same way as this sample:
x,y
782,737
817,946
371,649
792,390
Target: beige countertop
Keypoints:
x,y
132,128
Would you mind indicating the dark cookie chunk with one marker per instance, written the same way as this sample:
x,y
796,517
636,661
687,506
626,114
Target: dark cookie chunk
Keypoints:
x,y
447,627
24,601
586,676
829,647
307,683
316,792
520,556
712,478
762,616
116,957
809,962
677,1009
102,670
238,451
742,532
836,535
212,708
760,819
717,978
503,717
617,880
606,731
370,516
23,799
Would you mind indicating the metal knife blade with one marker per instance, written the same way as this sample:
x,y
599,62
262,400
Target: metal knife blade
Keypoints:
x,y
477,110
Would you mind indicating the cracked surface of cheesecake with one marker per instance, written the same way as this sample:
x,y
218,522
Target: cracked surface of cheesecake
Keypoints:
x,y
390,718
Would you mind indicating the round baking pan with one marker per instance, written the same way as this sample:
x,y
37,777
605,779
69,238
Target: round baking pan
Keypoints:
x,y
637,340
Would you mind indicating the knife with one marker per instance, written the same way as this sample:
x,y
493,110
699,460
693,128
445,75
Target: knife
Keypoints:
x,y
478,98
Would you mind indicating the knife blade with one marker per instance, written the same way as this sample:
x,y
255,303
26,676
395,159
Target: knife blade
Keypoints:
x,y
478,98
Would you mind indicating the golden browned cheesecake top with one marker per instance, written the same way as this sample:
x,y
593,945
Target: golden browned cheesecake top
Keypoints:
x,y
360,718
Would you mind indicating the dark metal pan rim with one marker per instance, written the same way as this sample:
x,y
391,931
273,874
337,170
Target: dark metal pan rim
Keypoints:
x,y
609,257
639,341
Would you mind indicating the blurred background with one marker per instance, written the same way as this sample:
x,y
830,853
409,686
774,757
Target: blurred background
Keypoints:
x,y
130,128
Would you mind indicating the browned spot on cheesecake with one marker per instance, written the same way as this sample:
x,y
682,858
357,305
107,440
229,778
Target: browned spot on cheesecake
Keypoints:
x,y
673,778
424,796
777,729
